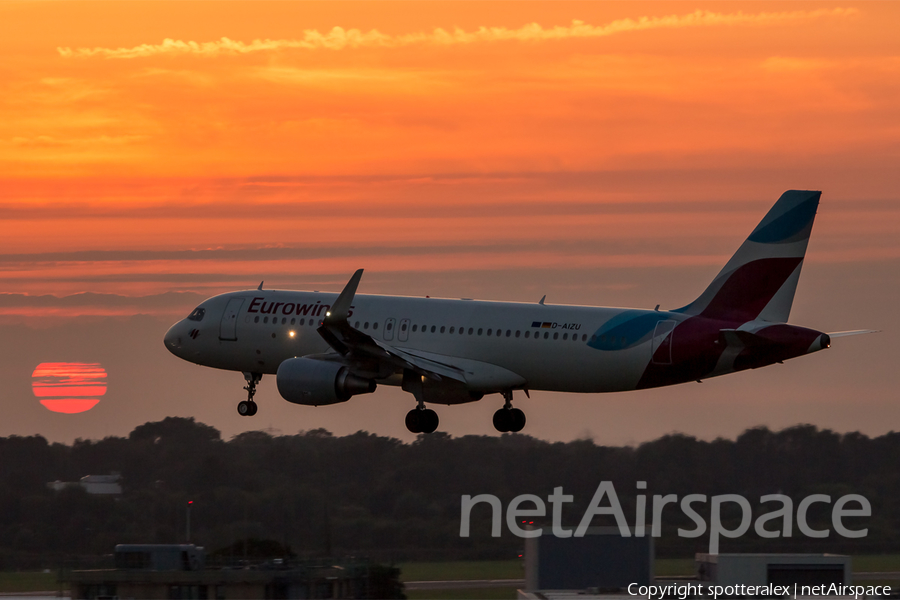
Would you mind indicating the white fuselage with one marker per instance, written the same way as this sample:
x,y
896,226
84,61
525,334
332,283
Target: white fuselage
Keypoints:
x,y
548,346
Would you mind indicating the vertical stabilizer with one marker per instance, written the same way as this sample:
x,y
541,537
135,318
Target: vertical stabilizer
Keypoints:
x,y
760,279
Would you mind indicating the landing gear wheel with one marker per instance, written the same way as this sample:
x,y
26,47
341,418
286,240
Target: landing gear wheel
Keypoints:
x,y
246,409
414,420
517,420
502,420
431,421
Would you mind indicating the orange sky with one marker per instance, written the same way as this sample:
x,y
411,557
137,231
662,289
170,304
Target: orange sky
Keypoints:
x,y
112,89
155,153
183,126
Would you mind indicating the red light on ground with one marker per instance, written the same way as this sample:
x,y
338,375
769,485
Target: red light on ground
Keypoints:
x,y
69,387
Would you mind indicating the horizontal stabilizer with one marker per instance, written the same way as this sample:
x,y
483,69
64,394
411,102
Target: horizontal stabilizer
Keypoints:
x,y
838,334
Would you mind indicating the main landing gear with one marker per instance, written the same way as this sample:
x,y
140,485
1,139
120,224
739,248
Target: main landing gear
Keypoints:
x,y
247,408
419,419
509,419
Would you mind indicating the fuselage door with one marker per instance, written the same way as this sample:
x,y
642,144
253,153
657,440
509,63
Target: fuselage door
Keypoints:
x,y
389,325
228,326
661,352
403,333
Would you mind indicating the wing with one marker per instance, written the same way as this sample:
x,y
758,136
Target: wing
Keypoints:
x,y
365,353
361,348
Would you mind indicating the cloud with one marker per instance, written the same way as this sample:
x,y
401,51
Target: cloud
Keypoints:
x,y
792,64
339,38
94,304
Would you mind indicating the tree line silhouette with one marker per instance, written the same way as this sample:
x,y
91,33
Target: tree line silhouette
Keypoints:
x,y
375,496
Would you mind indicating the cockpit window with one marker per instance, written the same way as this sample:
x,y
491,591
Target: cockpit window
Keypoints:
x,y
197,315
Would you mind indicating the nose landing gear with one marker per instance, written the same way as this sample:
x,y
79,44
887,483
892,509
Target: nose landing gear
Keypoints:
x,y
248,408
509,419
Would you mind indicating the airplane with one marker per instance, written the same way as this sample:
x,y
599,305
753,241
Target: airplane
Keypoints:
x,y
324,348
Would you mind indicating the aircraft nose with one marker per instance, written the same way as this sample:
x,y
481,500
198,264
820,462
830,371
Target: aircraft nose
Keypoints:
x,y
173,338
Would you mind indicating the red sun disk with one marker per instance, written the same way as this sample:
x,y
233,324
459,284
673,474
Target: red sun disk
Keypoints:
x,y
70,405
69,387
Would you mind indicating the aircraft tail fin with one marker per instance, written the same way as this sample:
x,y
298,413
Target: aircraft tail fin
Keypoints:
x,y
760,279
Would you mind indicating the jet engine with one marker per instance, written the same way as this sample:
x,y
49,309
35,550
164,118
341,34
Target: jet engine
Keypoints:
x,y
317,382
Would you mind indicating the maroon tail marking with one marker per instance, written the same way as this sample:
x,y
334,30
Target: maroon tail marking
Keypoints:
x,y
749,288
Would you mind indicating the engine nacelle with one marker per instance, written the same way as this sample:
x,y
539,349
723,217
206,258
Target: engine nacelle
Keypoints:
x,y
317,382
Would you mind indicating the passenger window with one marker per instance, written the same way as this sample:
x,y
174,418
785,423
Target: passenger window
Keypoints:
x,y
283,320
375,325
470,330
584,338
517,333
442,329
265,319
355,326
366,326
303,321
197,315
256,319
403,327
389,326
527,333
293,321
432,329
556,336
414,328
451,329
565,336
479,331
546,335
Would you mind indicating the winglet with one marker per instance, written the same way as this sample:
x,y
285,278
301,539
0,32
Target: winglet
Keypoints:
x,y
260,285
341,307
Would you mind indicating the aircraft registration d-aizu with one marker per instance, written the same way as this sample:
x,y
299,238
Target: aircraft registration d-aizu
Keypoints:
x,y
324,348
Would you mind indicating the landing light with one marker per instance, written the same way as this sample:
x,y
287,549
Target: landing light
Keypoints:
x,y
327,313
292,333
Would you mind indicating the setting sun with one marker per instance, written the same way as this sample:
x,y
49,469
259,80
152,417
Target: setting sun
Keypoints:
x,y
69,387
